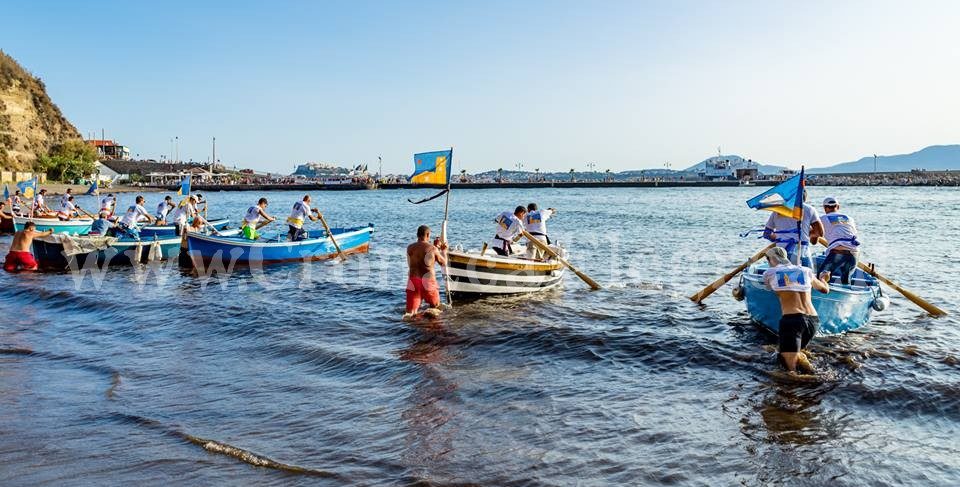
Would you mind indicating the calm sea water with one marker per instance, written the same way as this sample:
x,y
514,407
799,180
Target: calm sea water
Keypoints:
x,y
304,374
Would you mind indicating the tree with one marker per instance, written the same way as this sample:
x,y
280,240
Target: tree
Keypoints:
x,y
68,161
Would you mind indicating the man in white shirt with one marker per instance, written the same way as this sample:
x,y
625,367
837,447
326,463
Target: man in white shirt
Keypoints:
x,y
508,230
128,222
186,211
840,232
251,219
298,216
535,222
107,203
40,208
782,230
67,209
163,209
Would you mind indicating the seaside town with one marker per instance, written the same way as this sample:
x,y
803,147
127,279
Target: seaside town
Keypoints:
x,y
115,166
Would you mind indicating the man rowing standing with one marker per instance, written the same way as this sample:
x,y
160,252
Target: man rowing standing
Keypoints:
x,y
251,220
840,231
301,211
163,209
186,211
782,230
536,224
799,322
20,258
508,230
128,222
422,285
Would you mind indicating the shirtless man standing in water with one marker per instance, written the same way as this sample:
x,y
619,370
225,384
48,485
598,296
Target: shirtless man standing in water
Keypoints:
x,y
421,280
20,257
800,323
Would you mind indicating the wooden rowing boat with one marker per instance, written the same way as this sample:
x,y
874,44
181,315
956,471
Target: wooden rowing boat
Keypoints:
x,y
72,227
843,309
61,251
229,250
475,275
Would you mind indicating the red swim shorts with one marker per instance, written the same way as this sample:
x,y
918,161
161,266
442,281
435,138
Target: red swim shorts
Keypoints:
x,y
425,289
20,260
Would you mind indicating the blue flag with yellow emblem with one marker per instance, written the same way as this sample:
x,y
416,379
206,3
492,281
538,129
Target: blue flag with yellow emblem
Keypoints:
x,y
28,188
785,198
432,167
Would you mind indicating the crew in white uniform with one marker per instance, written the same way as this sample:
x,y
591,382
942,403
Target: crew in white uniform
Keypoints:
x,y
163,209
840,231
508,230
128,222
536,224
298,216
67,209
185,212
40,208
251,220
107,203
782,230
66,195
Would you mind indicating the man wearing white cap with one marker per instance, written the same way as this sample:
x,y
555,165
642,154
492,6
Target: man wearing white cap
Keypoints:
x,y
840,231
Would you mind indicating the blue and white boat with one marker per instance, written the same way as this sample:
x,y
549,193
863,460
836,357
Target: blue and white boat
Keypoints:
x,y
71,227
844,308
60,251
164,231
228,250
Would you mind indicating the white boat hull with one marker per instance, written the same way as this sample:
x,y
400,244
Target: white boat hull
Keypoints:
x,y
474,275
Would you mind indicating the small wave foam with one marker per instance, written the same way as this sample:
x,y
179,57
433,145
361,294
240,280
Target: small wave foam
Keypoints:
x,y
213,446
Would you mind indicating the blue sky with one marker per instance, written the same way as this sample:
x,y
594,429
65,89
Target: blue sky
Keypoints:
x,y
554,85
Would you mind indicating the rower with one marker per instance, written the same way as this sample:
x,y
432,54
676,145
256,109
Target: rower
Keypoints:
x,y
422,256
799,322
102,225
107,203
66,196
16,204
40,208
252,218
163,209
782,230
3,212
840,231
20,258
536,224
67,209
201,202
301,210
187,209
509,226
128,222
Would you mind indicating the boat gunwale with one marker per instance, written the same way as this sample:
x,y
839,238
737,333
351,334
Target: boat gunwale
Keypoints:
x,y
236,241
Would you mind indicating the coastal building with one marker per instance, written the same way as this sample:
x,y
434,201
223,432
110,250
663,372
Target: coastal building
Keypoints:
x,y
319,170
109,149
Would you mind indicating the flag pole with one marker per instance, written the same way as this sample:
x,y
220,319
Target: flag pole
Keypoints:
x,y
443,229
803,188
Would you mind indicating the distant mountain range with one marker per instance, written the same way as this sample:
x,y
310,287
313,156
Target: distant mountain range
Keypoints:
x,y
933,158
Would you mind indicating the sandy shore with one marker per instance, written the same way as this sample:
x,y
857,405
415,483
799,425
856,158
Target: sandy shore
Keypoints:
x,y
78,189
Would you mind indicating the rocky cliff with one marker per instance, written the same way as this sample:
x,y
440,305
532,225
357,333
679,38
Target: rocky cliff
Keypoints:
x,y
30,124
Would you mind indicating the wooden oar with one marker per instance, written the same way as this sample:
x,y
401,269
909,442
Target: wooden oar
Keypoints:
x,y
85,212
713,286
335,244
917,300
542,246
